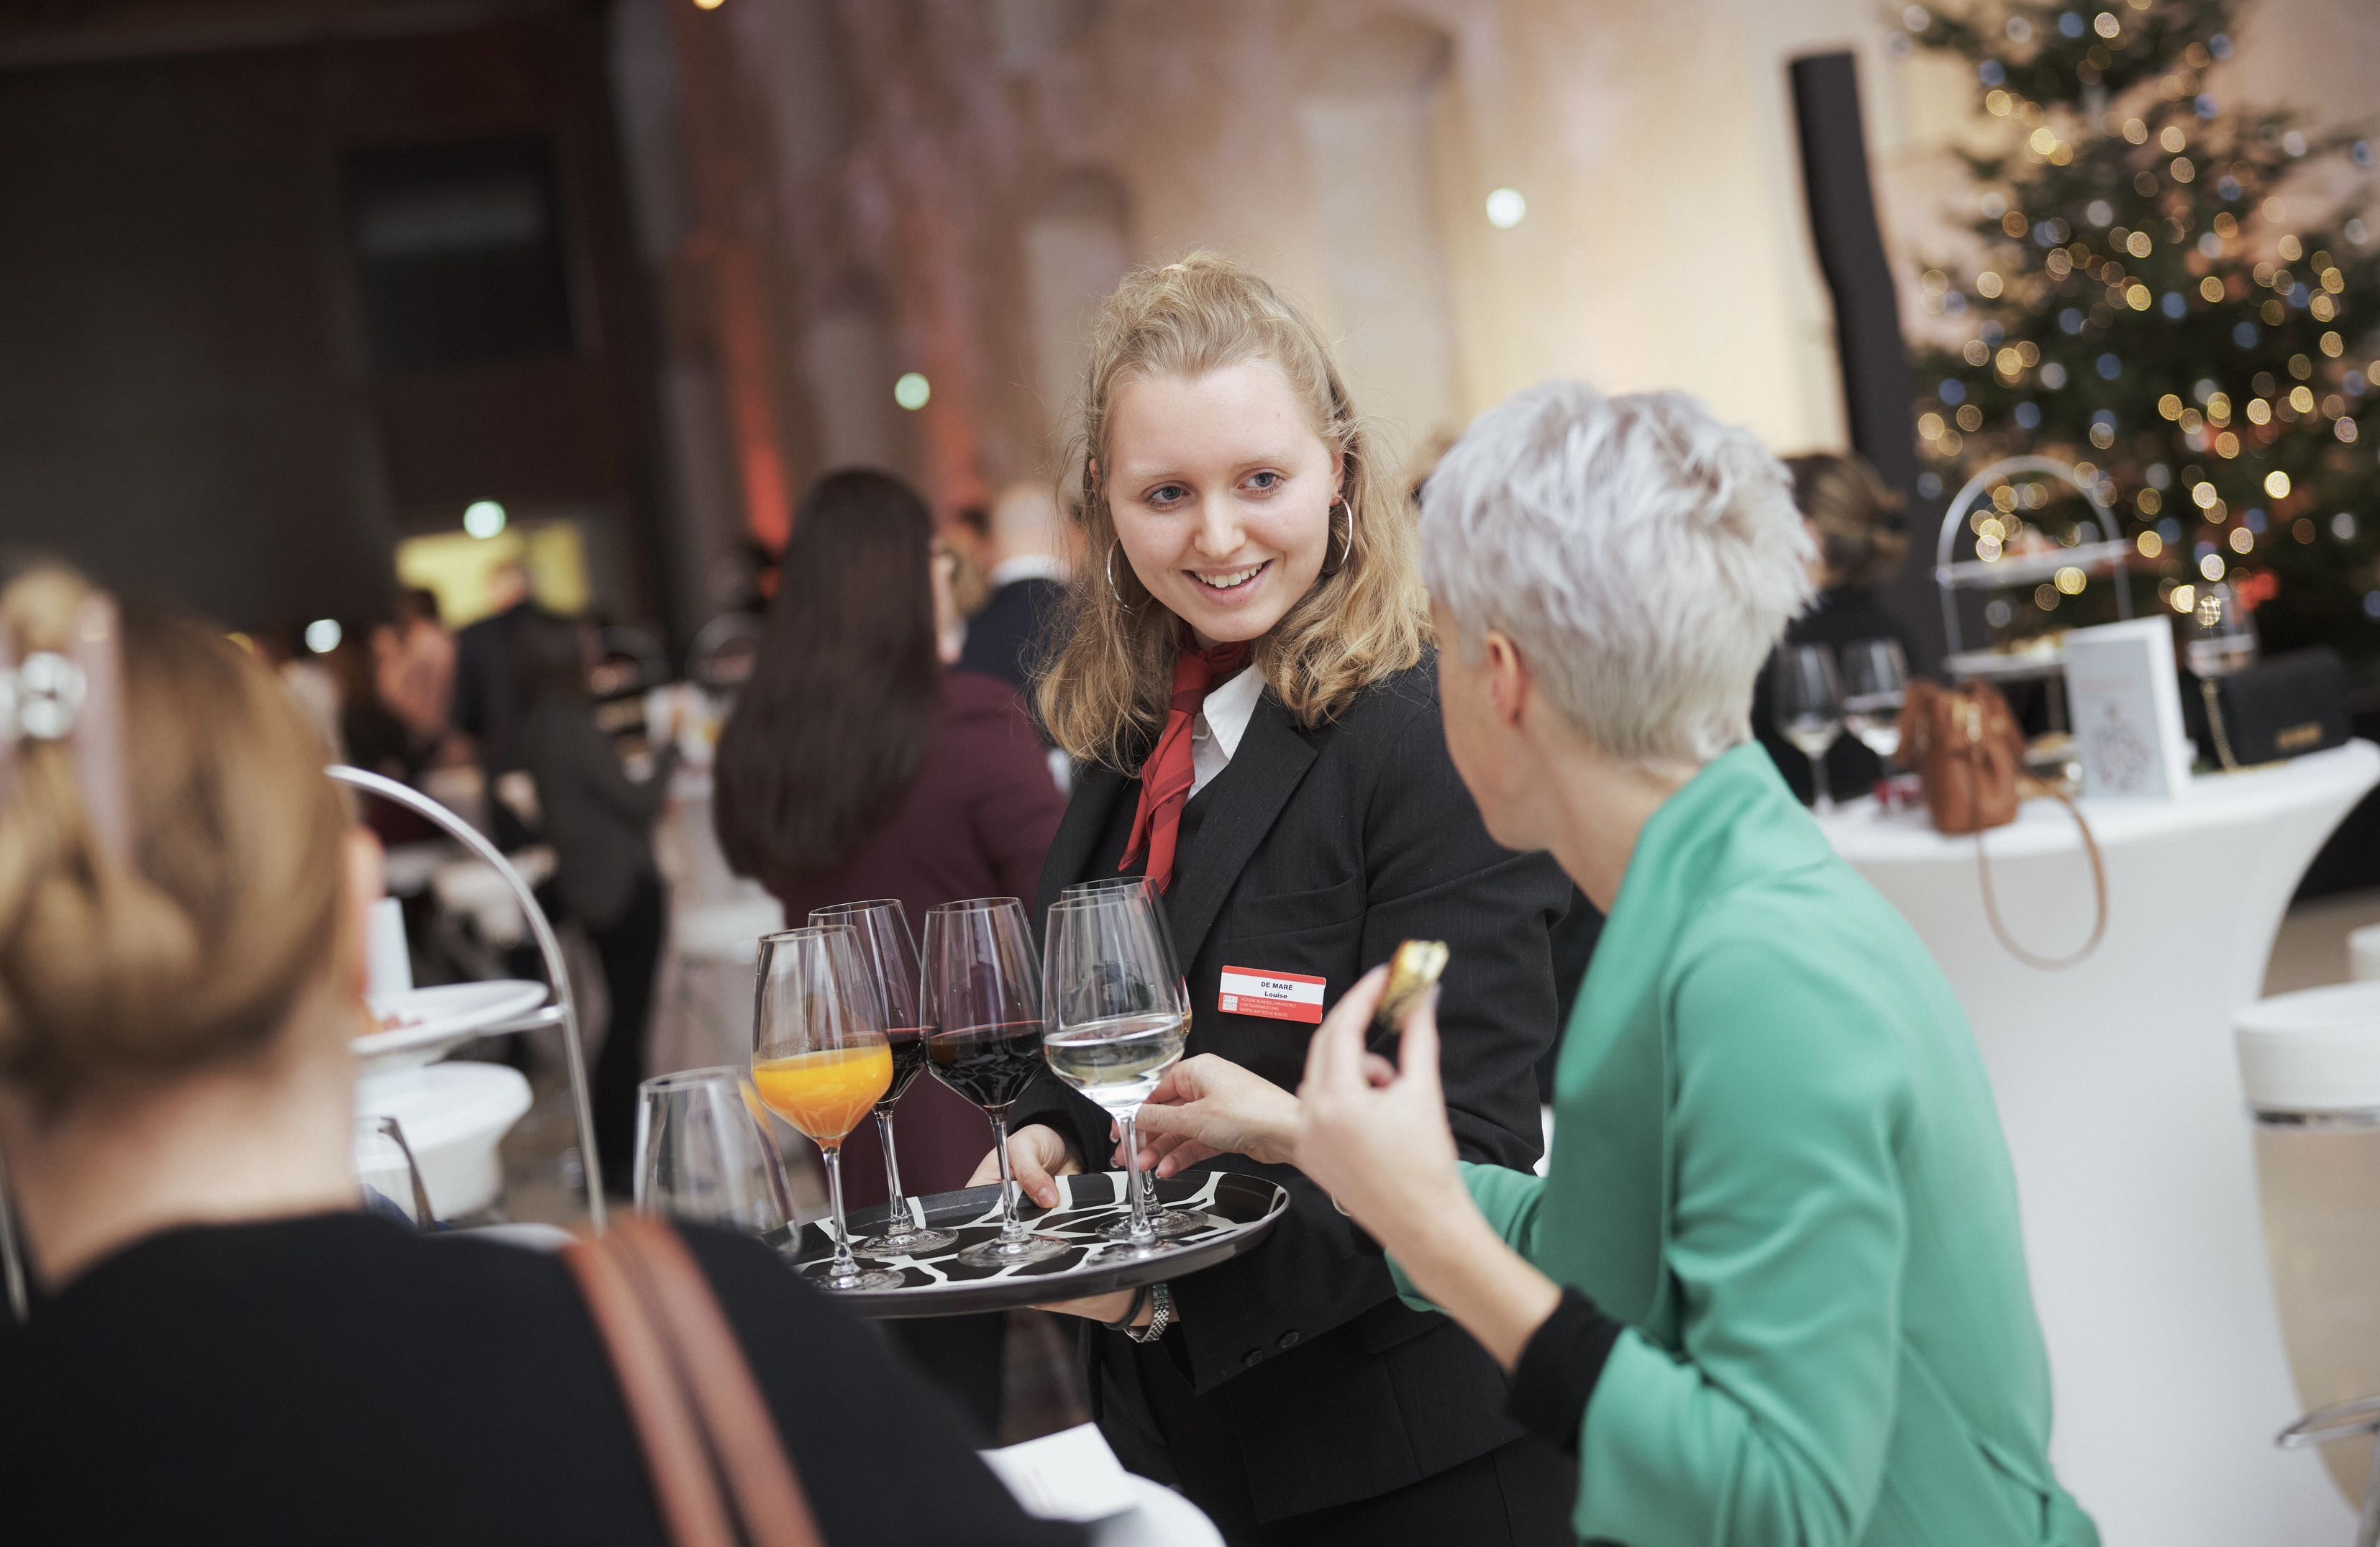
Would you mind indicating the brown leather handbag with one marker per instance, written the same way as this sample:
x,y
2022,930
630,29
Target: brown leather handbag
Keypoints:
x,y
1970,756
698,1415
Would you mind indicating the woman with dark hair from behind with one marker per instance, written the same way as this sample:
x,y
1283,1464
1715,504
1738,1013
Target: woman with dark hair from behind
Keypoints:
x,y
600,823
1861,534
855,767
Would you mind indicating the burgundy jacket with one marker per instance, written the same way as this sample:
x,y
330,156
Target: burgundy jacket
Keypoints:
x,y
977,822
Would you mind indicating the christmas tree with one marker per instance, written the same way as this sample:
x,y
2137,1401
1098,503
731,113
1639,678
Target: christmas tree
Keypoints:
x,y
2179,294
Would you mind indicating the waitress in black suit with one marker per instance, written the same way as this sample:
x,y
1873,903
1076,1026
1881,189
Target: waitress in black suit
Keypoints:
x,y
1247,681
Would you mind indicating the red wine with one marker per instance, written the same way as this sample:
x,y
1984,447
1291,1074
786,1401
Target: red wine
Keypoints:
x,y
908,1059
989,1065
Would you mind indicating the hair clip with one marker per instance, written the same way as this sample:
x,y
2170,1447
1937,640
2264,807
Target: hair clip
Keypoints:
x,y
77,698
40,699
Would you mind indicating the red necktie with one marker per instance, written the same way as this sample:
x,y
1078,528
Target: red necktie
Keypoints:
x,y
1166,778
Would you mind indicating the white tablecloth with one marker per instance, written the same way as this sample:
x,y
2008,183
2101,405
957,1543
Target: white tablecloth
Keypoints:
x,y
2121,1099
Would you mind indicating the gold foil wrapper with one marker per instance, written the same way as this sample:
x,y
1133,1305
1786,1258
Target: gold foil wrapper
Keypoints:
x,y
1413,972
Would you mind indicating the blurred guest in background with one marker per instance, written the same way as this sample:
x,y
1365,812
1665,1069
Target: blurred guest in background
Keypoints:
x,y
1773,1288
968,537
1028,574
487,705
1858,527
600,823
853,767
413,667
182,919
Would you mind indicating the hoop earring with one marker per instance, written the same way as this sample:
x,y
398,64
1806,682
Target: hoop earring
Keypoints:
x,y
1347,545
1111,585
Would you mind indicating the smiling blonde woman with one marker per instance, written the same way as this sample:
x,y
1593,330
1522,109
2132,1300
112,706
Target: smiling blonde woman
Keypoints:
x,y
1246,677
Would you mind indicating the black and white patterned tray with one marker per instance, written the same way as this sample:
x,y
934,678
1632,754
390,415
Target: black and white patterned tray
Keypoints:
x,y
1244,1209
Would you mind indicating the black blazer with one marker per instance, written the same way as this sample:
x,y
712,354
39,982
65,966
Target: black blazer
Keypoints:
x,y
1001,639
1315,852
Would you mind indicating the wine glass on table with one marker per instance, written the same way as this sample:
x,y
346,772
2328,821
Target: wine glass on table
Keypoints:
x,y
1169,1222
820,1060
982,997
1810,710
703,1153
1114,1024
889,954
1875,683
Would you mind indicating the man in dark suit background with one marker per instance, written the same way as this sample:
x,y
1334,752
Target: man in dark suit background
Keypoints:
x,y
1026,556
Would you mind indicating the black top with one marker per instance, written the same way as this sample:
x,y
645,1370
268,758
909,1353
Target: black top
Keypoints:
x,y
599,820
1840,617
338,1378
1003,640
1559,1368
1296,1378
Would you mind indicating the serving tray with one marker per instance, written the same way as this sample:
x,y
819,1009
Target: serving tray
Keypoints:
x,y
1242,1209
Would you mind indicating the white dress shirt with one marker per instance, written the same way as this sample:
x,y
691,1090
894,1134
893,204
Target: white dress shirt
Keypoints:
x,y
1223,720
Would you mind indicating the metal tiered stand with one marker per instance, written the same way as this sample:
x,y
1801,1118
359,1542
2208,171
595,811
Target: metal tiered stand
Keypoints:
x,y
2029,569
562,1012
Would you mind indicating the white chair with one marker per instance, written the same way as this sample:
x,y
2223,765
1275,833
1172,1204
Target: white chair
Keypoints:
x,y
2363,953
706,991
2310,1066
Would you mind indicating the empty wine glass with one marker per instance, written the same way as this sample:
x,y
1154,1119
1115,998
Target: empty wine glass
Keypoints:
x,y
703,1153
982,996
2220,637
1167,1222
385,1167
1810,709
880,931
820,1060
1115,1022
1875,681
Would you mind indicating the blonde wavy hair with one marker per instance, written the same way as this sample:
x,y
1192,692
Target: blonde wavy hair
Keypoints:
x,y
1106,682
196,946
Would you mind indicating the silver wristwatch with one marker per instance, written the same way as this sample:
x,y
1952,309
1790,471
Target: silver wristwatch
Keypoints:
x,y
1160,1315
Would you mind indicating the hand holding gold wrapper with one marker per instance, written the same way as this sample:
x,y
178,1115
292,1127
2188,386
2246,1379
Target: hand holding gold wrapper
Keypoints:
x,y
1413,972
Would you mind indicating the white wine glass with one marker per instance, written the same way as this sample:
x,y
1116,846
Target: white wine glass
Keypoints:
x,y
1810,710
1114,1024
703,1153
1876,684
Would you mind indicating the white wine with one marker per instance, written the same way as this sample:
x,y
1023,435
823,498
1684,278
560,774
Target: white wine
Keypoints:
x,y
1812,733
1118,1061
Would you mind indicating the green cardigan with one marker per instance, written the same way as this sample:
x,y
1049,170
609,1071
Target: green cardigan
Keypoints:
x,y
1778,1164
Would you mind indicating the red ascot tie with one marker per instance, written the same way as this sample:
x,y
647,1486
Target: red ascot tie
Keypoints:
x,y
1166,778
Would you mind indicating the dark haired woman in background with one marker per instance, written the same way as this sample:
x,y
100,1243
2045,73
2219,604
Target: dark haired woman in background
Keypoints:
x,y
1862,538
600,822
854,767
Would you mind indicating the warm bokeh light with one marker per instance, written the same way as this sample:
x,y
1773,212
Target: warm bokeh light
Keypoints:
x,y
2277,484
1505,208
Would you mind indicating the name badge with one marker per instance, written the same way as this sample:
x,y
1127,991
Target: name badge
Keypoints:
x,y
1272,995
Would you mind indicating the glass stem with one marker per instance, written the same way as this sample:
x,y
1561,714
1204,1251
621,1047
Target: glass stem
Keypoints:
x,y
1011,1227
1824,797
1143,1232
896,1208
844,1267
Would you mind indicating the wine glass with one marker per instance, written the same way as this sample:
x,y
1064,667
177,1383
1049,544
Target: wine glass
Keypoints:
x,y
1810,709
1115,1021
385,1167
820,1060
982,996
703,1153
889,954
2220,637
1876,680
1169,1222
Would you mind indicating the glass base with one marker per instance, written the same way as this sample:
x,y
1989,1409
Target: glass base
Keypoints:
x,y
1171,1225
996,1253
905,1243
822,1277
1116,1242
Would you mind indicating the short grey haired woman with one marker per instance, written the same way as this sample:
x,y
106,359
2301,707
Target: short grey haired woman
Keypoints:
x,y
1772,1290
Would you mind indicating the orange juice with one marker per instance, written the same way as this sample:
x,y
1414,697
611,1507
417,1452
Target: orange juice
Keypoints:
x,y
825,1094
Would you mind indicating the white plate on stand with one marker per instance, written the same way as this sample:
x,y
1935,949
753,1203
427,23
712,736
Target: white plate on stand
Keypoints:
x,y
441,1019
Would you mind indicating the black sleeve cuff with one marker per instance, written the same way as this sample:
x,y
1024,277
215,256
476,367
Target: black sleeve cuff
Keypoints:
x,y
1559,1369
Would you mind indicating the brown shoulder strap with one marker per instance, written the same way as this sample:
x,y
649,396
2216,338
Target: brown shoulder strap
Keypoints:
x,y
744,1439
2098,887
692,1511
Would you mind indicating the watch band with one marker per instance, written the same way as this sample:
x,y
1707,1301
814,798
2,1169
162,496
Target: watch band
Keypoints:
x,y
1160,1317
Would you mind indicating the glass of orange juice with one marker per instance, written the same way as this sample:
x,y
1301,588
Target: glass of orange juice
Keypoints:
x,y
820,1060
